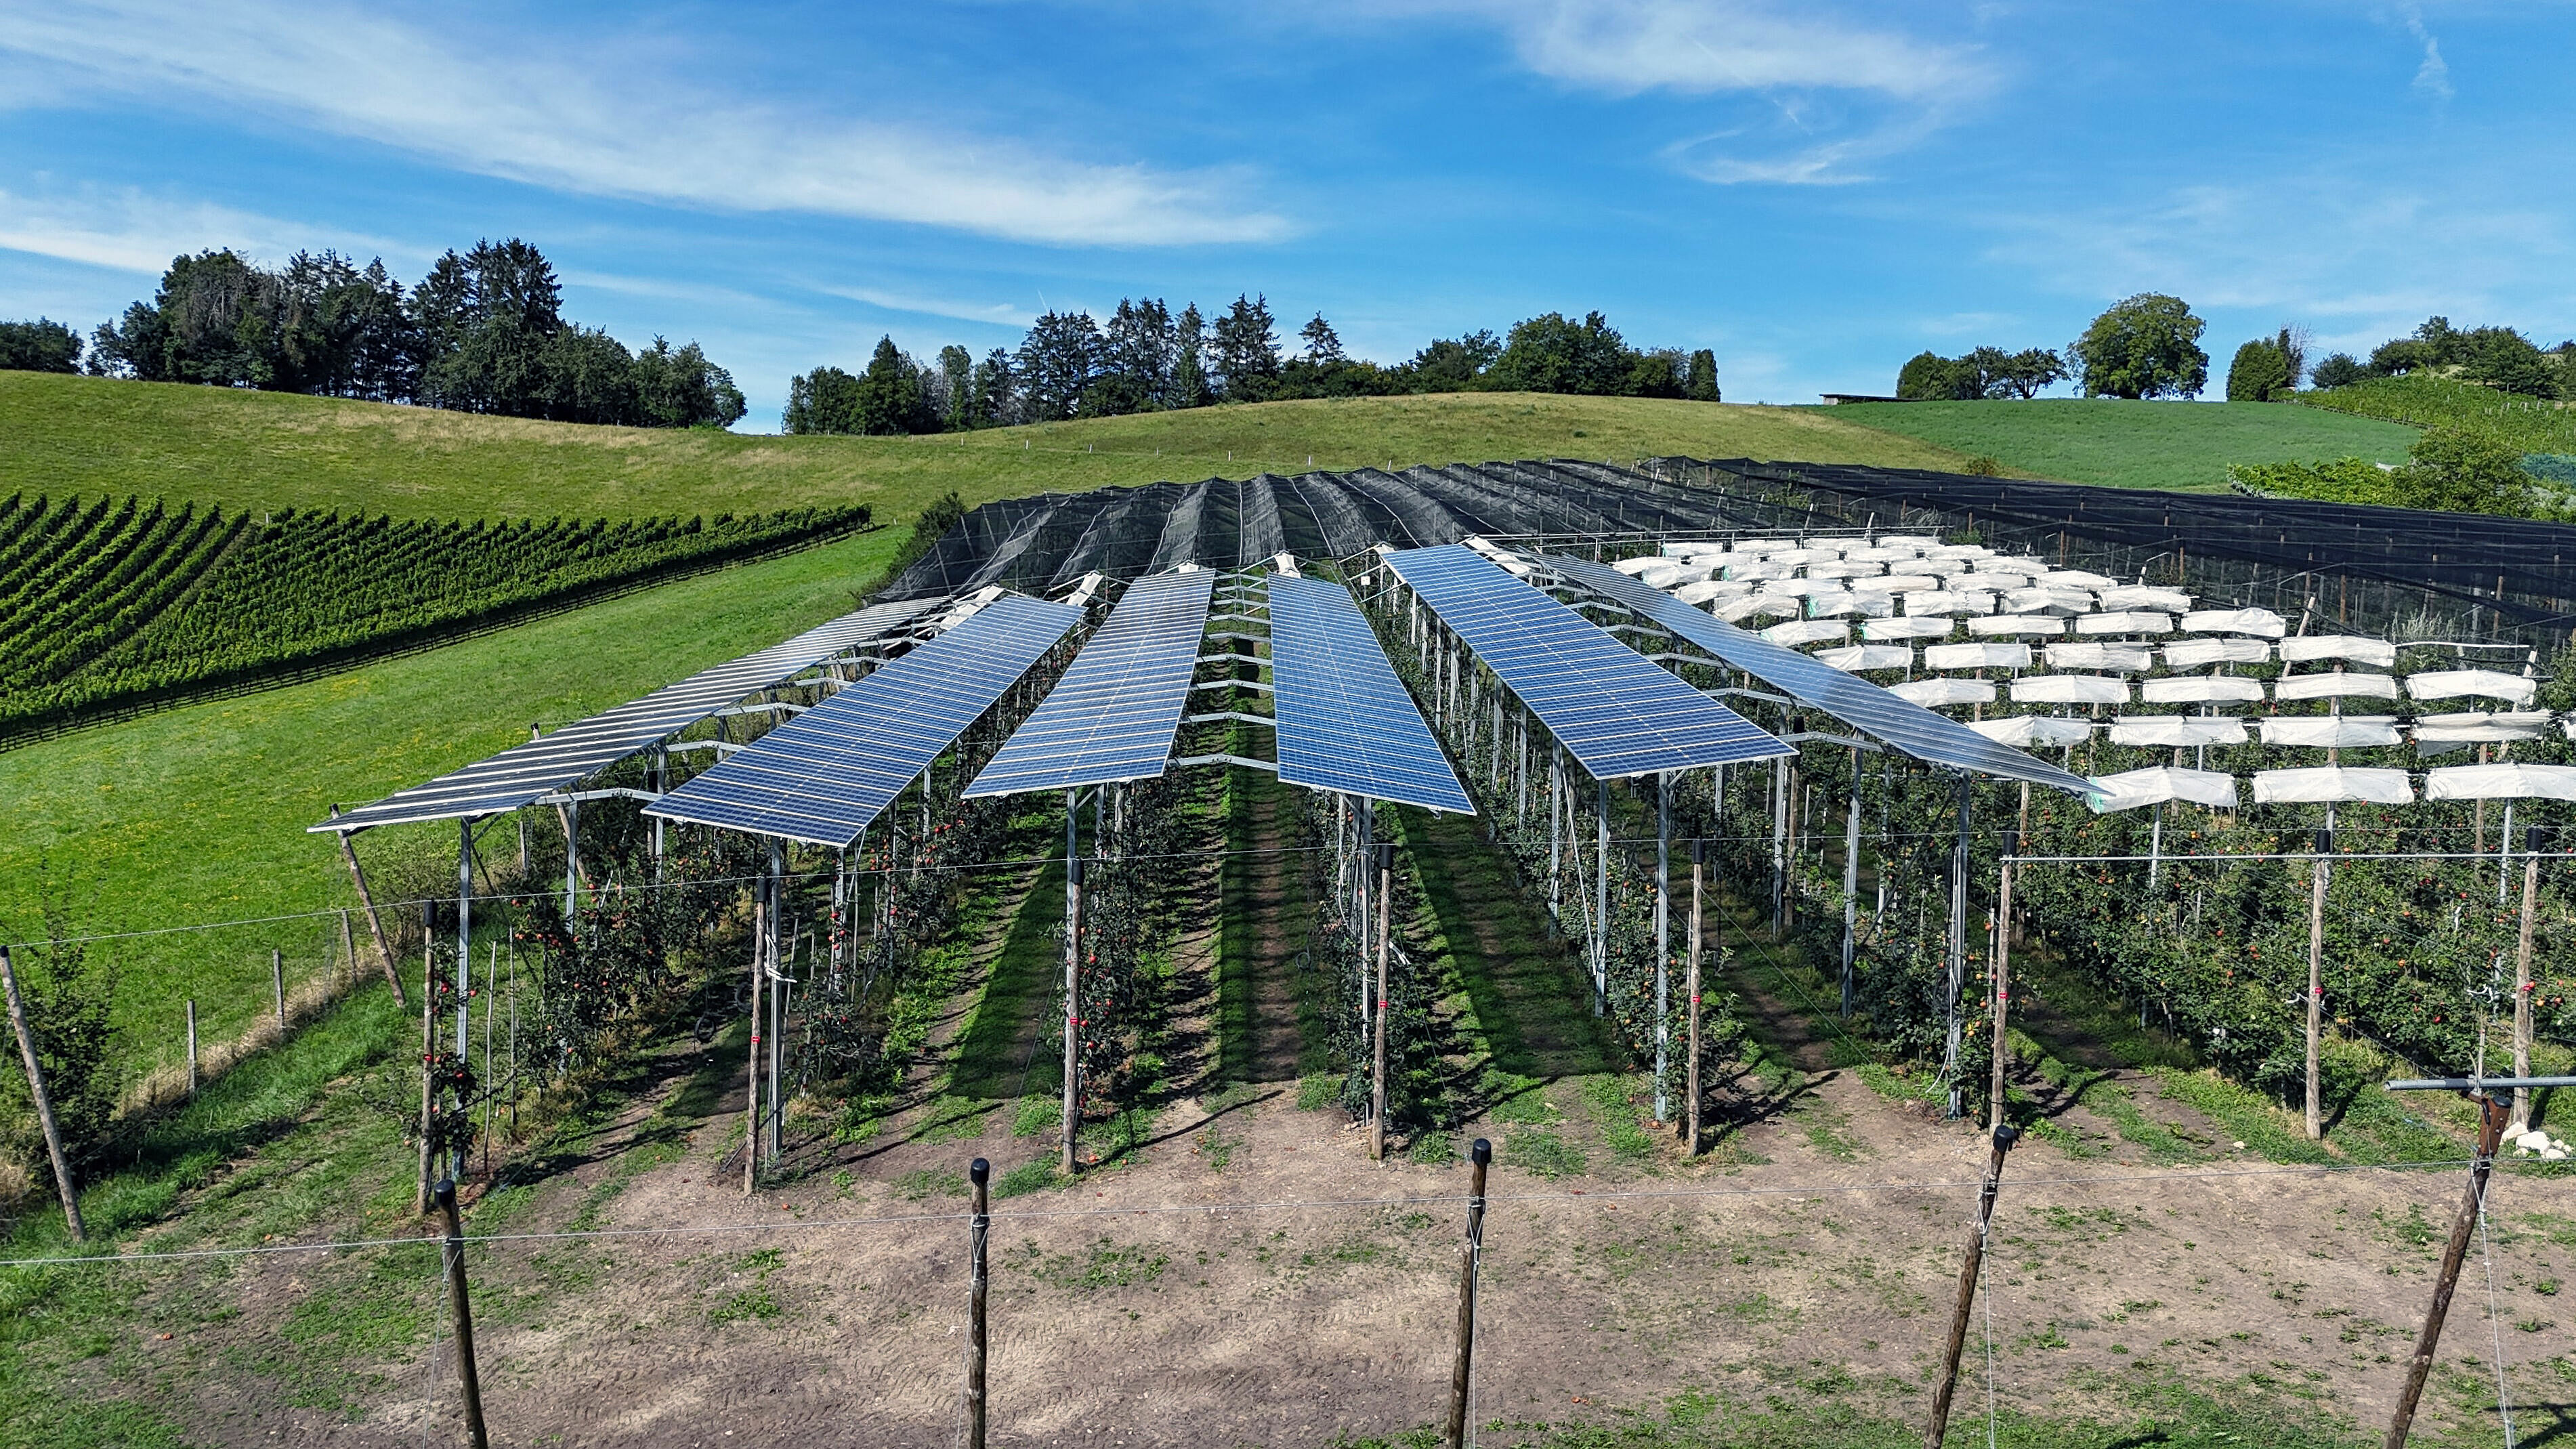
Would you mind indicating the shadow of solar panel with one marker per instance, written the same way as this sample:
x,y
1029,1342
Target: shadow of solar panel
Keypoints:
x,y
825,775
1864,706
1114,714
1613,709
1343,719
583,748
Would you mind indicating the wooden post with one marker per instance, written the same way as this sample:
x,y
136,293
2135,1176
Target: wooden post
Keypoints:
x,y
979,1228
1663,946
1851,885
1691,988
2316,979
2521,1121
44,1101
2003,979
1601,898
468,1377
1470,1256
1948,1383
192,1048
1377,1075
375,922
2491,1115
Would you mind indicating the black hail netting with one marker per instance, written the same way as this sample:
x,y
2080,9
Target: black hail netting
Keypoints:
x,y
2388,568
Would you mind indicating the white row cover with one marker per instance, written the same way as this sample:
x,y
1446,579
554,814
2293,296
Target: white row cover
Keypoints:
x,y
2100,656
1857,657
1977,656
2154,786
2176,731
2025,730
1950,601
2475,728
1906,629
1933,693
2000,624
2501,782
1814,631
2334,686
2142,596
2322,784
1861,606
2124,623
2481,683
2377,652
2201,653
2260,622
2069,689
2349,731
2201,689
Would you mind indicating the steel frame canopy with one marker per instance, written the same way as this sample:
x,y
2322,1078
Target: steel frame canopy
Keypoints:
x,y
525,773
1341,717
1611,708
1901,724
1114,714
824,777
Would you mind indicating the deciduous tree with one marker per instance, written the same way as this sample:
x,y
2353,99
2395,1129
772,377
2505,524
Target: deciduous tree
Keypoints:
x,y
2146,346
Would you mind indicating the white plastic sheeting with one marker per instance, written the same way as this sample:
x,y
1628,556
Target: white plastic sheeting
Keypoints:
x,y
1977,656
1755,606
2477,683
2201,689
2334,686
1813,631
1700,593
2200,653
2129,622
2131,789
2324,784
2100,656
2022,731
1858,657
1905,583
2262,622
2346,731
1933,693
2475,728
2069,689
2047,601
2176,731
1949,601
2378,653
2501,782
1997,624
2143,596
1906,629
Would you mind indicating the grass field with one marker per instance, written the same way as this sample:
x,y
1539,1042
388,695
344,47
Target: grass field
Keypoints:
x,y
198,814
254,450
2182,446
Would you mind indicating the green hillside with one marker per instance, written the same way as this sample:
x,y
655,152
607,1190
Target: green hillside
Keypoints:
x,y
2421,399
259,450
2183,446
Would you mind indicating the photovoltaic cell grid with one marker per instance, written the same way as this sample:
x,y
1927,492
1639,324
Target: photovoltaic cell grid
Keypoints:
x,y
1614,710
1343,720
1115,712
1864,706
825,775
579,750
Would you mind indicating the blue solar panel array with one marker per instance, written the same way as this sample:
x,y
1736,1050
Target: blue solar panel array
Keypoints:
x,y
1114,714
1610,707
577,751
1858,703
823,776
1342,718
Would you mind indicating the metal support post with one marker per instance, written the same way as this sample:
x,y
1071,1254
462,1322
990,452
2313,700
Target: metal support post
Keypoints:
x,y
1958,964
1072,982
1851,886
778,985
1691,986
762,902
572,858
464,968
1663,945
2317,873
2003,981
1384,855
2522,985
1601,898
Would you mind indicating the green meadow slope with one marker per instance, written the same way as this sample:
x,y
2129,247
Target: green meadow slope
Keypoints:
x,y
2181,446
251,450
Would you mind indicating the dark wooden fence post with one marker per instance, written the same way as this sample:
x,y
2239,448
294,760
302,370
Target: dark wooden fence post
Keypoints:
x,y
978,1230
468,1377
2004,1137
1470,1256
44,1101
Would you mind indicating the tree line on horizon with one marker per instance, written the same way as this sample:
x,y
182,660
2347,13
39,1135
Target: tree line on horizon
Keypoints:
x,y
483,332
1147,358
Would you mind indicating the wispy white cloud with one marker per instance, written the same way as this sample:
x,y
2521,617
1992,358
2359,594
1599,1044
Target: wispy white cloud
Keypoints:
x,y
136,231
2433,77
999,314
606,129
1893,88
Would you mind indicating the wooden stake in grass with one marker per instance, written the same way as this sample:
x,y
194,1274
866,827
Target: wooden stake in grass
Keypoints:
x,y
277,984
375,923
979,1229
468,1377
1471,1255
2491,1115
1948,1383
44,1101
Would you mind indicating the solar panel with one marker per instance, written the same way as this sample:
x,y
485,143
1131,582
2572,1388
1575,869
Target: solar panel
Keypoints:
x,y
824,776
1613,709
524,772
1343,720
1114,714
1856,702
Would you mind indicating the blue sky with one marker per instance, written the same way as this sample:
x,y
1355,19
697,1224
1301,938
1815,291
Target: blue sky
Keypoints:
x,y
1816,191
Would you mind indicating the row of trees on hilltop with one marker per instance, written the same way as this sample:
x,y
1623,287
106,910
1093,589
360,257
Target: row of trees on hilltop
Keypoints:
x,y
2146,346
1147,358
483,332
2499,357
